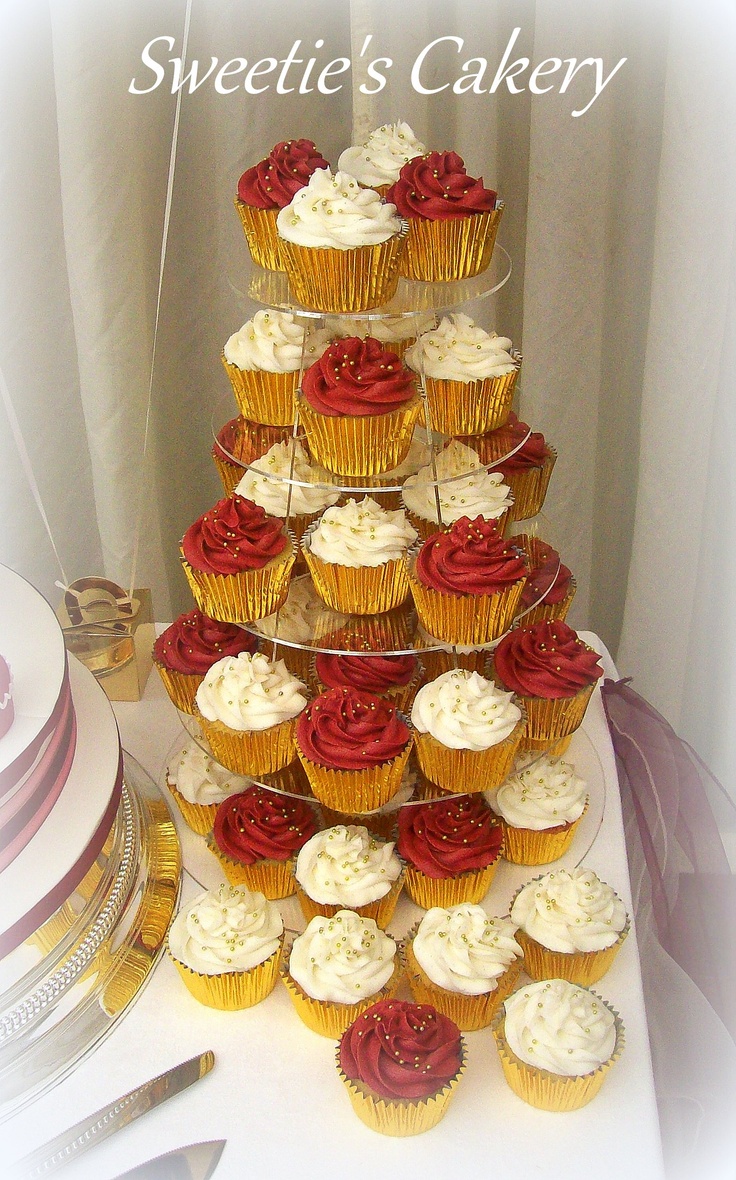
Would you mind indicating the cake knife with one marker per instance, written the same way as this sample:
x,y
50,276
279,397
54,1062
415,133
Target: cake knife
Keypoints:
x,y
196,1162
68,1146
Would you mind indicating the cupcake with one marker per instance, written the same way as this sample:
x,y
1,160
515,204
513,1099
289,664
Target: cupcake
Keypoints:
x,y
239,442
557,1042
337,968
453,219
451,848
199,784
247,706
395,677
340,244
263,361
401,1063
355,555
553,673
463,488
571,926
378,162
550,586
395,332
466,583
466,731
359,407
540,807
469,375
463,963
186,650
226,946
345,867
256,837
266,188
526,464
295,625
237,561
286,486
354,747
381,822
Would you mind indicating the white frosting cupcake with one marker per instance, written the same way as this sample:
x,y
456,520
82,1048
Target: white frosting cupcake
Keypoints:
x,y
472,491
462,950
380,159
271,492
201,780
459,350
570,911
557,1026
342,959
346,866
298,616
464,711
333,211
228,930
390,329
275,342
540,796
248,693
361,534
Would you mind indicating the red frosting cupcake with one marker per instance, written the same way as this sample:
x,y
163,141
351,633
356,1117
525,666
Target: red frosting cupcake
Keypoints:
x,y
186,650
527,471
392,676
268,187
359,407
401,1062
237,560
550,586
7,708
256,837
466,582
451,847
239,442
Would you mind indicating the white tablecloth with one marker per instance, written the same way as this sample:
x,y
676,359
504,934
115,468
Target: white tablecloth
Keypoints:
x,y
274,1094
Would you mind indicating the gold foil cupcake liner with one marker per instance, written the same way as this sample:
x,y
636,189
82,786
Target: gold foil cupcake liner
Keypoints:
x,y
468,619
550,1091
469,1013
243,596
525,846
358,590
545,612
468,771
343,280
356,791
390,500
326,1017
457,248
580,967
252,752
381,910
548,721
273,878
263,397
396,1116
470,407
470,887
365,445
198,816
232,990
230,473
379,823
259,227
530,487
436,661
181,686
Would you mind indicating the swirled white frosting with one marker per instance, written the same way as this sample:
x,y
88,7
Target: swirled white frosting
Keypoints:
x,y
342,959
361,533
389,329
201,780
542,795
297,618
380,159
463,950
570,911
347,866
557,1026
471,491
334,211
272,491
275,341
250,692
464,711
459,350
230,929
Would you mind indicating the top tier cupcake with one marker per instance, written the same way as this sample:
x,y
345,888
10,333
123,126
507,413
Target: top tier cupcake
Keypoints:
x,y
378,162
267,187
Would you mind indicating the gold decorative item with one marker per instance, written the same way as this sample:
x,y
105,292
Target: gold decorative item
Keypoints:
x,y
111,632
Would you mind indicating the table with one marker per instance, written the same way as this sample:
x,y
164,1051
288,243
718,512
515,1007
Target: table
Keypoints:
x,y
274,1093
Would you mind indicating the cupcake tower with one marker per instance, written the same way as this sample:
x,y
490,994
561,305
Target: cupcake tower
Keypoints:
x,y
379,647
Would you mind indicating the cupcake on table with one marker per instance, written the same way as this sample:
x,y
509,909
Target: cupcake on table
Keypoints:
x,y
463,487
266,188
540,807
377,162
186,651
451,848
263,360
345,867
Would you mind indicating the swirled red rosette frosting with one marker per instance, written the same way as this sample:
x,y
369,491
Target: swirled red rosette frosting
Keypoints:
x,y
234,535
450,836
194,642
345,729
359,378
547,660
273,181
437,188
470,558
374,673
401,1050
532,453
261,825
549,578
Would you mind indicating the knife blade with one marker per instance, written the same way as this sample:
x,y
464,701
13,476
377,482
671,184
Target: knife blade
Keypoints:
x,y
75,1141
195,1162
